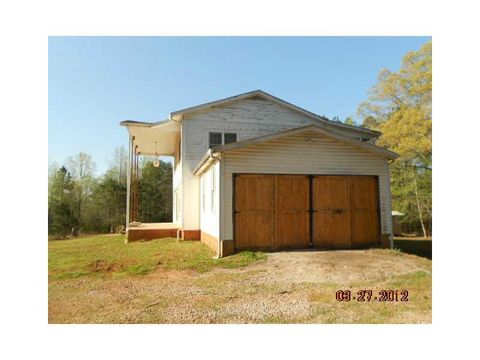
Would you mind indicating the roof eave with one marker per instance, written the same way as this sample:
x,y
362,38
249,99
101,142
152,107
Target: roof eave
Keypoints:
x,y
370,147
210,158
134,123
179,114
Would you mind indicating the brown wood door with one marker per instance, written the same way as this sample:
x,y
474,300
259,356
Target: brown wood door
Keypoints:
x,y
254,211
292,218
331,212
345,211
365,209
272,211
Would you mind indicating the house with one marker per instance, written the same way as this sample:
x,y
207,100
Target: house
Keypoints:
x,y
253,171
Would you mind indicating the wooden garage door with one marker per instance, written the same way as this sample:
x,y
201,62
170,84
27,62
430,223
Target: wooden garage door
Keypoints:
x,y
345,211
254,211
331,212
271,211
292,217
365,210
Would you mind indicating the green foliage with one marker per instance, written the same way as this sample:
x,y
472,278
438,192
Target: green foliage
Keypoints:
x,y
155,190
400,106
98,204
349,121
60,201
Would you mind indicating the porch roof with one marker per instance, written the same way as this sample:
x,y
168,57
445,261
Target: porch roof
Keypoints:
x,y
164,133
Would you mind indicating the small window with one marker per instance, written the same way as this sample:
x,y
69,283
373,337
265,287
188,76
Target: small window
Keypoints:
x,y
215,139
230,138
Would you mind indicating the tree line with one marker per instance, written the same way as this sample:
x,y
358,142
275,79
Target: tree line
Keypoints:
x,y
79,200
400,106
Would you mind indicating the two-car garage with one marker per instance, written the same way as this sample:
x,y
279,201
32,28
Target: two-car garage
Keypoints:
x,y
299,211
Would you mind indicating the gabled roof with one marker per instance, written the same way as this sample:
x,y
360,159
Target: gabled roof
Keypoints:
x,y
211,154
178,115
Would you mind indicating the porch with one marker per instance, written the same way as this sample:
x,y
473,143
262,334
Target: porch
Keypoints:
x,y
149,231
156,140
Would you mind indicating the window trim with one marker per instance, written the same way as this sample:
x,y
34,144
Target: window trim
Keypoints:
x,y
222,133
230,133
214,132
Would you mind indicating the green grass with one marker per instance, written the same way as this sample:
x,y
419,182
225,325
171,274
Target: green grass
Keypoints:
x,y
109,255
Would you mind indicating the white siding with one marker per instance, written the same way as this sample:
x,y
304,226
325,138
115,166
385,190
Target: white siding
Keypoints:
x,y
210,201
177,188
295,155
248,118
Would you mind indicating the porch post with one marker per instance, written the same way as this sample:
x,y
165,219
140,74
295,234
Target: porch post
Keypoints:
x,y
129,179
134,215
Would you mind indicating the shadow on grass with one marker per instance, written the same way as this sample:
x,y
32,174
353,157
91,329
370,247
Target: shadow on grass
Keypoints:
x,y
421,248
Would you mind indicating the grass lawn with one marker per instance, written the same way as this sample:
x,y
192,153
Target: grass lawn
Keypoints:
x,y
414,245
100,279
109,255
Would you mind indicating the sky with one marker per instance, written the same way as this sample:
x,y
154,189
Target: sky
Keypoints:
x,y
96,82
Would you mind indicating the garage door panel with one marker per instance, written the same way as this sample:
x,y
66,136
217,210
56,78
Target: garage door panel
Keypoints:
x,y
292,229
330,192
292,203
331,230
366,222
272,211
254,229
346,211
254,217
364,193
292,193
331,212
254,193
365,228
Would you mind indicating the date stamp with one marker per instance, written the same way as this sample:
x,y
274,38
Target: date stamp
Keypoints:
x,y
371,295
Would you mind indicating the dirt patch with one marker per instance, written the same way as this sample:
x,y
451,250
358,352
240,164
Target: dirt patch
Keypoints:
x,y
340,267
102,265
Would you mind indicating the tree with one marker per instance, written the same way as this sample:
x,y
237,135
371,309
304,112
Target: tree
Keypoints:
x,y
82,168
118,165
349,121
77,197
60,200
155,192
400,106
